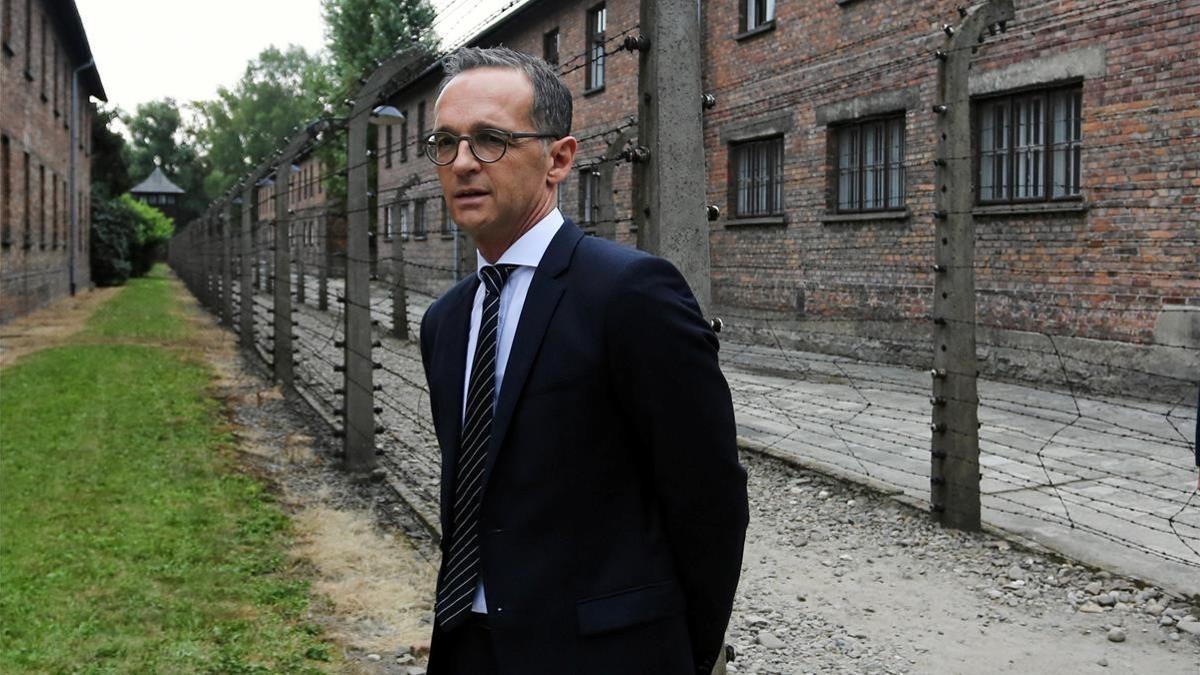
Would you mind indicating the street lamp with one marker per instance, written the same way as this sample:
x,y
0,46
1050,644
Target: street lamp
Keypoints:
x,y
385,115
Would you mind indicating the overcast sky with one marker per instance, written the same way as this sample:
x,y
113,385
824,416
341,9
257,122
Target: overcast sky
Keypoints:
x,y
149,49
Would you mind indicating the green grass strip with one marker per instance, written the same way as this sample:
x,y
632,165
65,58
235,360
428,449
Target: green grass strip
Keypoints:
x,y
144,310
127,543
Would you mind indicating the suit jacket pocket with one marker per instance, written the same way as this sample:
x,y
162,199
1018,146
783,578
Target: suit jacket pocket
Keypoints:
x,y
629,608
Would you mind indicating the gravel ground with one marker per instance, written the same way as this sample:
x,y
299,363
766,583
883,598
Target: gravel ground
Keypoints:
x,y
838,578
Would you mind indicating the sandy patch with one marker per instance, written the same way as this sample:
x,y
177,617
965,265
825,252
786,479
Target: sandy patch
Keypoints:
x,y
378,584
51,325
374,588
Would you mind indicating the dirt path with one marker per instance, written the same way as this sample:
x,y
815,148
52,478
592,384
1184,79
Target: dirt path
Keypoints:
x,y
50,325
372,570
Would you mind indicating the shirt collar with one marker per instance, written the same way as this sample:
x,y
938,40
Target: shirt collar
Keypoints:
x,y
529,249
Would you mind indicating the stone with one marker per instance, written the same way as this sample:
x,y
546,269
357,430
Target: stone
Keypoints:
x,y
1116,634
1106,600
1015,573
1093,588
756,620
415,670
373,657
1090,608
404,659
1166,620
1189,626
994,594
770,641
1103,662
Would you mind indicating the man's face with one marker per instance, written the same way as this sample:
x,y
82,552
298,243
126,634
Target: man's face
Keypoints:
x,y
494,203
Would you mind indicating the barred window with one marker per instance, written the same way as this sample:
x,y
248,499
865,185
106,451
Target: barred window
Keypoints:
x,y
1030,146
419,219
387,221
870,165
404,137
29,40
756,13
42,206
5,192
447,223
589,190
550,47
756,173
53,211
6,27
597,19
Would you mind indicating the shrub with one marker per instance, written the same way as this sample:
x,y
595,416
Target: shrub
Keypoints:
x,y
154,230
126,237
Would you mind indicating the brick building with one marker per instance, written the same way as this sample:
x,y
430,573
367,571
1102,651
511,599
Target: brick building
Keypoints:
x,y
43,48
820,153
318,231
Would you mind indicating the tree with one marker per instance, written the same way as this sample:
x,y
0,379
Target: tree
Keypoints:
x,y
110,162
159,139
361,32
280,91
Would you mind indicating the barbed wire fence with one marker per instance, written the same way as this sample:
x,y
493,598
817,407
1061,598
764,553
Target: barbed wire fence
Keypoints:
x,y
854,385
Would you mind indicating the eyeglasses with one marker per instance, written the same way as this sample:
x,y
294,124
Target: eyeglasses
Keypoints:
x,y
488,145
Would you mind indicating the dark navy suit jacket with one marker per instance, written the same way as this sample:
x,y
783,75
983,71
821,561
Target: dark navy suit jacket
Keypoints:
x,y
614,509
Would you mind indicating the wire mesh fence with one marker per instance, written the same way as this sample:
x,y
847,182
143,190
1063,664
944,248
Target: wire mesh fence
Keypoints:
x,y
1078,442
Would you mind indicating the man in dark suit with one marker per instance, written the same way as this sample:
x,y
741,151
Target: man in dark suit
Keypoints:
x,y
593,508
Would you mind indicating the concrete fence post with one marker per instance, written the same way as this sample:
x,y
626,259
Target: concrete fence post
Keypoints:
x,y
359,365
282,355
399,283
227,263
954,464
301,248
671,208
325,258
211,262
359,386
248,261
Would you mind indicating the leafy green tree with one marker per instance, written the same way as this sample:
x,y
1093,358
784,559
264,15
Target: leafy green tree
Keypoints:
x,y
110,163
361,32
280,91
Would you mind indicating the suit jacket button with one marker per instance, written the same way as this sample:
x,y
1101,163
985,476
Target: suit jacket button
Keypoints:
x,y
499,610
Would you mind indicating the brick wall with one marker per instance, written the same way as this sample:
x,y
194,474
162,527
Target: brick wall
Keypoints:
x,y
1114,264
1104,267
37,58
601,121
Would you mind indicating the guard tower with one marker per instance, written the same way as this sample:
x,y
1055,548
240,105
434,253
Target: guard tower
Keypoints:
x,y
158,191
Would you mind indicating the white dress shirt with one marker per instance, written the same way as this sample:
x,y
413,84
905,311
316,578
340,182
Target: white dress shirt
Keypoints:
x,y
526,253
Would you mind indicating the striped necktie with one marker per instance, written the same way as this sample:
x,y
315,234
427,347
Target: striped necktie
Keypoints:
x,y
461,567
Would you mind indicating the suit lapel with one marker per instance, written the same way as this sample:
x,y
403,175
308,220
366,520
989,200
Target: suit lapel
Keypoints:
x,y
545,291
452,357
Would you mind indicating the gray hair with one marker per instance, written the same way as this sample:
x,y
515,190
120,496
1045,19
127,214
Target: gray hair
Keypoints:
x,y
552,104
